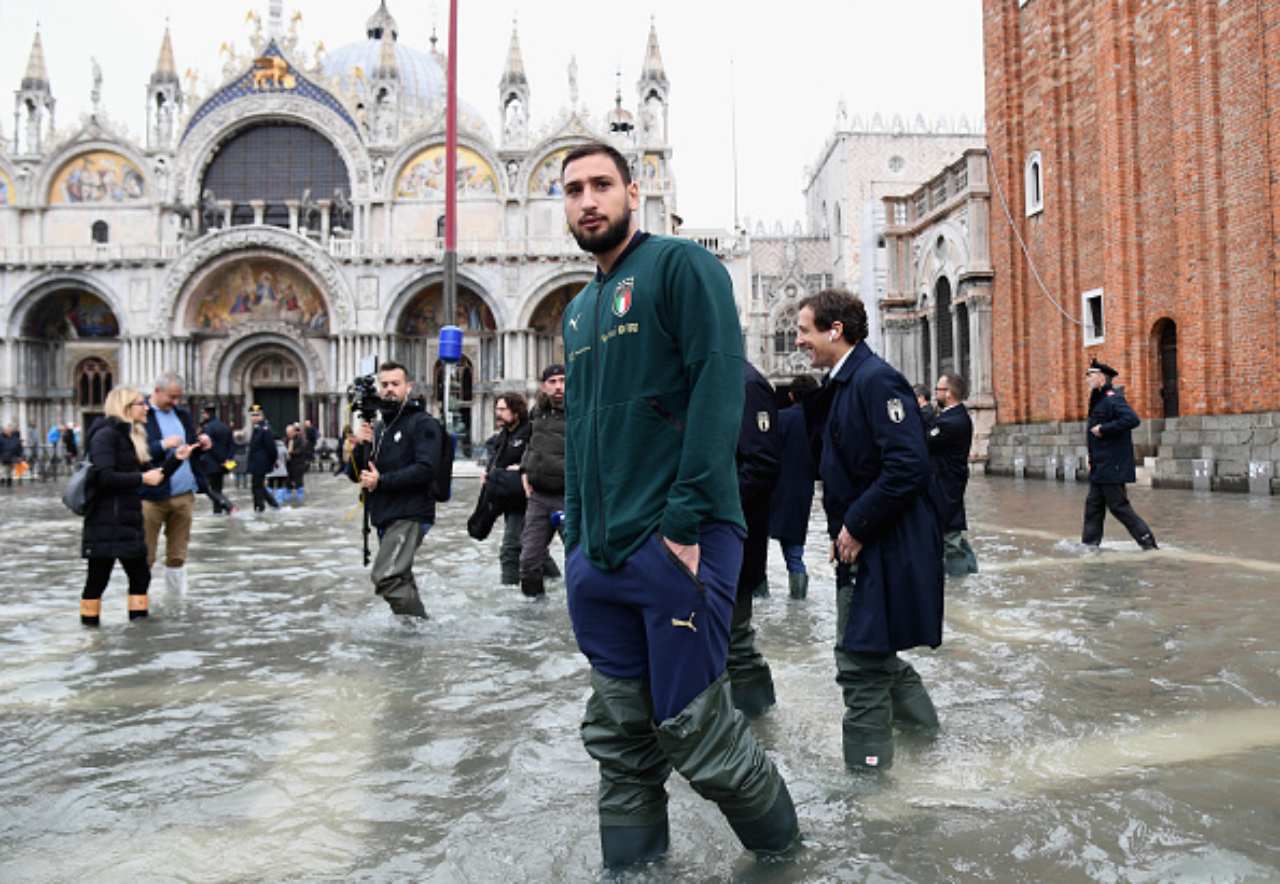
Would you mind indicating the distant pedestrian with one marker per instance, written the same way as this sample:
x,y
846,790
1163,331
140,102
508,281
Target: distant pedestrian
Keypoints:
x,y
502,478
113,524
170,506
1111,463
69,443
262,459
949,440
312,437
11,454
792,503
885,535
296,451
925,403
542,471
214,461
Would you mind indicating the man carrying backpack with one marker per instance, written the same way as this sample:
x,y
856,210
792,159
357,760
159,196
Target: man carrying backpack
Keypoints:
x,y
399,464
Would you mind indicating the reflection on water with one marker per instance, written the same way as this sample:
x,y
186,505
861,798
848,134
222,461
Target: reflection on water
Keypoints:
x,y
1108,715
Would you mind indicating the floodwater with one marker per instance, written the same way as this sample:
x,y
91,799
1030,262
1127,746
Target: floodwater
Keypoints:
x,y
1108,716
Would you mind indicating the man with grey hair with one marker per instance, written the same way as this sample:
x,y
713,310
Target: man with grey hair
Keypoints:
x,y
171,504
10,451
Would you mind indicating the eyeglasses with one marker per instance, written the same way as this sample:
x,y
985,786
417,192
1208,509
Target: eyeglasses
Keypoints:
x,y
941,389
138,402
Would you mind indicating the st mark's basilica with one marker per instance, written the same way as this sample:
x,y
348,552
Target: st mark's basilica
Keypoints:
x,y
265,237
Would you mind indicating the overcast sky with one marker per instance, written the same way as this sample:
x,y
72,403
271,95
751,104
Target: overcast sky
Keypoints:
x,y
792,63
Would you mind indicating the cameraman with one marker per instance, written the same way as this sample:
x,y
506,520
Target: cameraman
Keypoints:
x,y
394,464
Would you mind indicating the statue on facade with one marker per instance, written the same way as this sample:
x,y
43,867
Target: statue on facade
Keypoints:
x,y
514,126
340,214
210,214
308,212
95,95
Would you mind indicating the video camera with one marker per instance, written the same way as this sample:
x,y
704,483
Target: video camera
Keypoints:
x,y
362,393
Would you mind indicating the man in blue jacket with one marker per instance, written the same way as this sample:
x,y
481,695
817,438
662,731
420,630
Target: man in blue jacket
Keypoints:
x,y
171,504
1110,436
792,500
886,539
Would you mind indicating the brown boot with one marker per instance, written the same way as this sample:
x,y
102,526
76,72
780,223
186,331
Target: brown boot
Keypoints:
x,y
90,612
137,605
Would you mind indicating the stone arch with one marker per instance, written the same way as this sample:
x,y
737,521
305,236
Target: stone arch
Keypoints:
x,y
53,167
544,152
202,142
181,281
552,282
50,283
951,260
405,292
1163,372
407,154
252,342
9,182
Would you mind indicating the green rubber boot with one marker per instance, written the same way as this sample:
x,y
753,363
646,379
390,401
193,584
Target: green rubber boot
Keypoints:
x,y
751,682
912,709
799,585
711,745
866,681
618,733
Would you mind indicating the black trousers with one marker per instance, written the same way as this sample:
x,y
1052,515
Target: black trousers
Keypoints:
x,y
1103,497
99,576
215,485
262,497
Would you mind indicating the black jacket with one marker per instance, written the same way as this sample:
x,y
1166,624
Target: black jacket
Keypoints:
x,y
1111,459
949,439
544,460
222,450
262,450
10,447
504,485
407,444
792,501
759,451
113,523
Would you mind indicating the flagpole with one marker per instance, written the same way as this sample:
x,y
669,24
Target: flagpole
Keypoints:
x,y
451,195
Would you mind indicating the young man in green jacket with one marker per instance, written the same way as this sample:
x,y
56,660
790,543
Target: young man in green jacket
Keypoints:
x,y
653,523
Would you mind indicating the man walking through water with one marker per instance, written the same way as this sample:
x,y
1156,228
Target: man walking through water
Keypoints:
x,y
653,523
1111,464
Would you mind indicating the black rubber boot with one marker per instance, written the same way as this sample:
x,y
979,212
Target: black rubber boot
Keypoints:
x,y
761,590
751,682
550,570
710,743
404,600
623,846
533,587
1148,541
799,585
774,834
912,708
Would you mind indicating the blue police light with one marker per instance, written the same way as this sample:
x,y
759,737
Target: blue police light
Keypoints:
x,y
450,343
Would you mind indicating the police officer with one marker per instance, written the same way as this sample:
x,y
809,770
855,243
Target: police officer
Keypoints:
x,y
1110,437
759,460
395,465
262,459
949,439
792,501
875,476
653,524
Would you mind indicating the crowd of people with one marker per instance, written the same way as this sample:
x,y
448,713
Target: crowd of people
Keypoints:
x,y
667,464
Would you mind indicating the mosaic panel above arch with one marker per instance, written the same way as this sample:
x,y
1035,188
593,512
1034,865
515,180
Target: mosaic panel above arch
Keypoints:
x,y
70,315
423,176
421,316
99,176
548,314
257,290
546,178
7,193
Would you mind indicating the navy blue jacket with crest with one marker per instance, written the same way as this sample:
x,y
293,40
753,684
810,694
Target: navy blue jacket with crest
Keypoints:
x,y
875,475
1111,459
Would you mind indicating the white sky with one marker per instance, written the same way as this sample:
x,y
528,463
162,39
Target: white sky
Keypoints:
x,y
793,62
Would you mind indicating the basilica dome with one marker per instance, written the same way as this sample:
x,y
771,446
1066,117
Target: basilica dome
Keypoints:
x,y
421,73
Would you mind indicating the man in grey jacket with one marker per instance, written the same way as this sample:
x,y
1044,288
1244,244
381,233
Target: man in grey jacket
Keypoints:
x,y
542,472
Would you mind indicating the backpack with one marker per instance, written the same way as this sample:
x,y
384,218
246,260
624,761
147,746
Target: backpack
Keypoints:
x,y
442,479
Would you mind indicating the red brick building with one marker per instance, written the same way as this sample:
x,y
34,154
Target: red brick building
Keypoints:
x,y
1137,144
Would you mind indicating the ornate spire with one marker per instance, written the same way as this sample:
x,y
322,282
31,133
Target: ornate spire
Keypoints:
x,y
653,69
387,68
275,19
514,74
166,70
37,76
381,22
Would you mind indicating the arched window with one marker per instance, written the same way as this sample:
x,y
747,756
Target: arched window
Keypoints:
x,y
784,334
962,332
1033,184
942,323
1164,337
277,163
93,382
101,233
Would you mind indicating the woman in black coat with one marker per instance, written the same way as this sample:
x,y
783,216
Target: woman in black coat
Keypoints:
x,y
113,530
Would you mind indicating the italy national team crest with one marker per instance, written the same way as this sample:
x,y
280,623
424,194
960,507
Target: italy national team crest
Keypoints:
x,y
896,411
622,296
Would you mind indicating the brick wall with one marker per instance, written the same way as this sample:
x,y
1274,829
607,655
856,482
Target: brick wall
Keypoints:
x,y
1159,128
